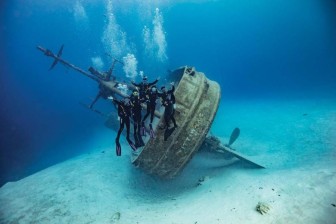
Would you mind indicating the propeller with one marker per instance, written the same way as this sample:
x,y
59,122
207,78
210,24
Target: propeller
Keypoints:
x,y
234,135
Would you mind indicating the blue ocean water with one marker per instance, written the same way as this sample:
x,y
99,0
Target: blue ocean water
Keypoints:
x,y
253,49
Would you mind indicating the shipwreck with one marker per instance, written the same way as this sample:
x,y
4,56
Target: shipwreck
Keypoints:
x,y
197,101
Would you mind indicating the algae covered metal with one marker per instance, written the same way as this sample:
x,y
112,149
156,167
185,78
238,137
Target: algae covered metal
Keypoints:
x,y
197,100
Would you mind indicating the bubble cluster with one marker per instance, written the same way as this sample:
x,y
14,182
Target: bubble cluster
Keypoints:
x,y
130,66
97,62
79,12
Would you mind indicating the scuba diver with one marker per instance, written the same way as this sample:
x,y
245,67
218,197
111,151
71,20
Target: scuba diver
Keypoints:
x,y
104,92
144,86
124,113
136,114
168,101
151,96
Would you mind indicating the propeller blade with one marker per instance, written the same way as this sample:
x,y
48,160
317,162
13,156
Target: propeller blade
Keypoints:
x,y
234,135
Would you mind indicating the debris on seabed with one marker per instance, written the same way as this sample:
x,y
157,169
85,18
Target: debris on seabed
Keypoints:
x,y
116,217
202,179
262,208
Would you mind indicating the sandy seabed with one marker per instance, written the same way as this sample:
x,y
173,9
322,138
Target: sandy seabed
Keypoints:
x,y
295,140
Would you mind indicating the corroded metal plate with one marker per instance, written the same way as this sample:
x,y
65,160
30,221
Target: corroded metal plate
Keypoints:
x,y
197,100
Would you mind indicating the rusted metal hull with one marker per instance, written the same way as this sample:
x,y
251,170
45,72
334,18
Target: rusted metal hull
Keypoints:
x,y
197,100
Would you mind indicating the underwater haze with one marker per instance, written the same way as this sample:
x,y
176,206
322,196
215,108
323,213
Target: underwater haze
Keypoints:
x,y
254,49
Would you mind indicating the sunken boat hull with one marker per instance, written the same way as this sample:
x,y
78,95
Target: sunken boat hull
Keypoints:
x,y
197,100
